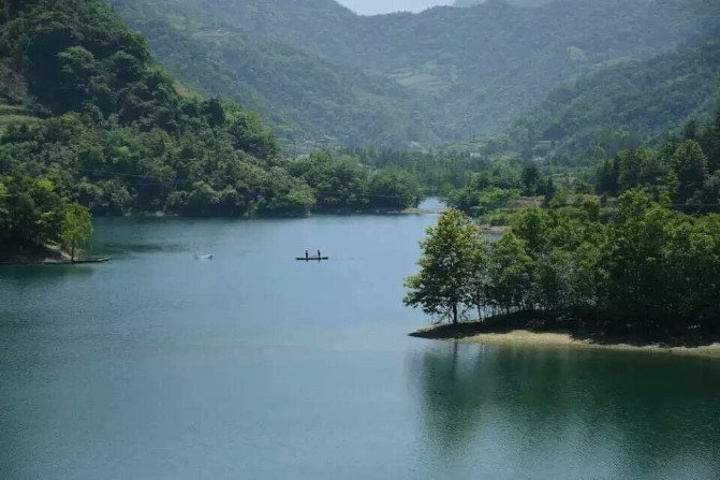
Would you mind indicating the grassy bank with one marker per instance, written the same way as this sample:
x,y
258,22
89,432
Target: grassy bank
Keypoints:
x,y
523,330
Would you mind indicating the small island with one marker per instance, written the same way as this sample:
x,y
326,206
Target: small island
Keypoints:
x,y
645,278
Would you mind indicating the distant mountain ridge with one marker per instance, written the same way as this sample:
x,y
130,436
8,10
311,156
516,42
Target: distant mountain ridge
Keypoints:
x,y
520,3
445,74
302,95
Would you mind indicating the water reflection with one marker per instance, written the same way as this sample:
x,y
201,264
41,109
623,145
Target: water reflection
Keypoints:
x,y
20,276
251,366
508,412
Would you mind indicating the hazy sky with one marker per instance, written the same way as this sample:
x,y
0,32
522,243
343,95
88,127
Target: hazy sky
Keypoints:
x,y
369,7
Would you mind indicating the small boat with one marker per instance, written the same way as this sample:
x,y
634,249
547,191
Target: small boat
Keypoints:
x,y
207,256
317,259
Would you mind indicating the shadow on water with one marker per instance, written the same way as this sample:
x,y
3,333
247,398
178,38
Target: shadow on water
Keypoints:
x,y
129,236
43,274
133,248
566,413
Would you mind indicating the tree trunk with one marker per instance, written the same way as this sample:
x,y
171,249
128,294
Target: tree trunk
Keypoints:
x,y
72,253
455,314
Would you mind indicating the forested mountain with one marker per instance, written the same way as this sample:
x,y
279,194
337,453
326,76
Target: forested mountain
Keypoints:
x,y
309,101
624,105
111,130
475,69
524,3
88,117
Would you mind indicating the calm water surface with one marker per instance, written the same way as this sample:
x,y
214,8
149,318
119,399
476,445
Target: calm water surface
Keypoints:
x,y
253,365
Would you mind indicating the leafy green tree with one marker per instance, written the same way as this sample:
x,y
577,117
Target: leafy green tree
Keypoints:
x,y
393,189
76,228
703,250
494,199
638,282
549,189
34,209
250,135
709,194
641,167
692,169
510,268
534,226
530,177
78,66
448,268
128,68
710,142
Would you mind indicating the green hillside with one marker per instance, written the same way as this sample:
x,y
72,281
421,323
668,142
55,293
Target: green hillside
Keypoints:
x,y
462,72
109,127
309,101
626,104
88,117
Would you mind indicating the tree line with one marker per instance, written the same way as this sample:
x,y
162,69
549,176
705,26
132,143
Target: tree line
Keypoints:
x,y
685,170
649,269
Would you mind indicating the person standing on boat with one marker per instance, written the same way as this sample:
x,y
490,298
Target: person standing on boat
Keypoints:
x,y
307,256
319,256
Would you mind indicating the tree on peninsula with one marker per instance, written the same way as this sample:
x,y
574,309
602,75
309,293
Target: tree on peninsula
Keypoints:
x,y
448,268
76,228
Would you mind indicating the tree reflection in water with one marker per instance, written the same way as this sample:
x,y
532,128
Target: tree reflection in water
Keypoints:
x,y
565,413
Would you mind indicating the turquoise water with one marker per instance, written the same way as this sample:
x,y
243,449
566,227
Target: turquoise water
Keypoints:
x,y
253,365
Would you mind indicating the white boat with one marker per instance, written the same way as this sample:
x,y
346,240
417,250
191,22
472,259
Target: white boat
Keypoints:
x,y
207,256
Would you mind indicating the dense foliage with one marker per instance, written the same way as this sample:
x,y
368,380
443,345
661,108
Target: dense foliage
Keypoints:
x,y
641,265
439,172
31,210
649,269
309,101
682,171
623,106
685,171
461,72
105,126
342,184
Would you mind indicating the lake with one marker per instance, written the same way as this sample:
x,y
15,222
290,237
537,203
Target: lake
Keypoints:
x,y
254,365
